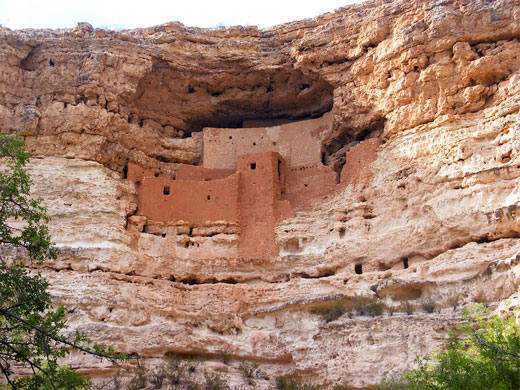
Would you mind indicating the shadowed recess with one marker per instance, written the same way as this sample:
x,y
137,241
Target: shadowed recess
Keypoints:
x,y
191,100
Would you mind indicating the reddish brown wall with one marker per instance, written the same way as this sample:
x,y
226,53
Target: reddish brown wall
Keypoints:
x,y
136,173
357,161
192,172
188,200
306,186
260,204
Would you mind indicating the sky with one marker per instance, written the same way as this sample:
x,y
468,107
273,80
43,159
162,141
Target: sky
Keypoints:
x,y
123,14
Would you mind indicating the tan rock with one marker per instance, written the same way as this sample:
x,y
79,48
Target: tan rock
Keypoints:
x,y
424,100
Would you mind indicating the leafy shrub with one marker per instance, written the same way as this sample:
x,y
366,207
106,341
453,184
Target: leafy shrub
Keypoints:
x,y
215,381
375,308
174,370
408,307
360,304
487,358
139,380
429,305
331,312
248,370
453,300
393,384
290,382
226,357
156,379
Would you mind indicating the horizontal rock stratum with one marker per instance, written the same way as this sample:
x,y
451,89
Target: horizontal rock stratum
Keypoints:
x,y
421,103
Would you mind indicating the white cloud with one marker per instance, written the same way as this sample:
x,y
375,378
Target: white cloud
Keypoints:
x,y
131,14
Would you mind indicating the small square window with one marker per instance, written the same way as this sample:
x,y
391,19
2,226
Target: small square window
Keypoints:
x,y
253,166
208,197
166,190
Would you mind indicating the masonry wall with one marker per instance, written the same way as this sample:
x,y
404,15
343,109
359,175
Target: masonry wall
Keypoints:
x,y
307,185
260,203
196,202
135,173
357,161
297,142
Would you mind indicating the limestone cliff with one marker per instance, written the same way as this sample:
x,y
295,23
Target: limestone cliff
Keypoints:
x,y
424,140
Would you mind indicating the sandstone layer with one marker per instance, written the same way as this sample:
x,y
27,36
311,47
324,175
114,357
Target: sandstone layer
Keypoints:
x,y
425,100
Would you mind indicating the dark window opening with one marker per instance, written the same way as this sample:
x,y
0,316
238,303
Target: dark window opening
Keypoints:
x,y
125,172
51,62
166,190
230,137
358,269
305,185
254,143
274,143
163,235
253,166
342,233
156,174
323,158
279,172
405,262
208,197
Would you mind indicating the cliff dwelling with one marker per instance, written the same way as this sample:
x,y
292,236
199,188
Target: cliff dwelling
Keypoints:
x,y
250,179
253,192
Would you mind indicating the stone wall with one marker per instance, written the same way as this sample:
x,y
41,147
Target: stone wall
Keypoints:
x,y
196,202
297,142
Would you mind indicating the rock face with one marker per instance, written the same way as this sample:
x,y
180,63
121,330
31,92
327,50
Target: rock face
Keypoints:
x,y
424,101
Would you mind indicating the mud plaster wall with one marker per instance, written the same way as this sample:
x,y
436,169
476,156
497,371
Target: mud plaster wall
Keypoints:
x,y
196,202
260,203
358,159
308,185
298,143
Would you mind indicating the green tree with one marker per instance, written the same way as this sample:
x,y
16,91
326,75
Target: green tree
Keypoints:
x,y
487,357
31,330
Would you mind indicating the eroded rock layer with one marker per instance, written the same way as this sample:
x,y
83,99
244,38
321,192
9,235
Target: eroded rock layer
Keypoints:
x,y
425,100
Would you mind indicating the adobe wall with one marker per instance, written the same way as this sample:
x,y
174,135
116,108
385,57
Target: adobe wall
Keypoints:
x,y
357,160
136,173
260,203
297,142
196,202
193,172
306,185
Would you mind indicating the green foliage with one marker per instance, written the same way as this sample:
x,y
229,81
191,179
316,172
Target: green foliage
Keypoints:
x,y
215,381
175,370
408,307
375,309
355,305
139,380
429,305
226,357
396,383
31,330
291,382
331,312
16,204
248,371
453,300
488,357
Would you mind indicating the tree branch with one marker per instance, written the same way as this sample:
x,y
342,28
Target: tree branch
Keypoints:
x,y
6,374
58,339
